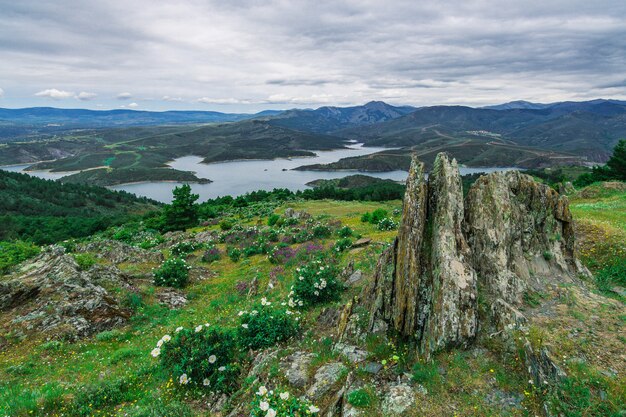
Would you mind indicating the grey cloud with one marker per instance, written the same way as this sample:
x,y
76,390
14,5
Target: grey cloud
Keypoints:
x,y
249,54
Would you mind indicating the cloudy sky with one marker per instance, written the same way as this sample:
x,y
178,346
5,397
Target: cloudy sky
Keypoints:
x,y
237,55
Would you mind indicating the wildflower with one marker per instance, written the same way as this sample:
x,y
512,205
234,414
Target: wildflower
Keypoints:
x,y
245,326
221,368
240,313
198,328
264,405
206,324
262,391
178,329
284,395
155,352
212,359
313,409
183,380
271,413
166,338
206,382
160,343
254,312
317,293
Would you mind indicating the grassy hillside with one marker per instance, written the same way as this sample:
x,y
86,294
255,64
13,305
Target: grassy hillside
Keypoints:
x,y
113,374
46,211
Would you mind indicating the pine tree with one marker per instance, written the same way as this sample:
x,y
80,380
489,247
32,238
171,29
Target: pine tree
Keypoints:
x,y
617,163
183,212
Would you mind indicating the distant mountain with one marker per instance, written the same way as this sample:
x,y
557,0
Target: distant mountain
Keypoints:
x,y
587,129
330,119
518,104
600,106
35,122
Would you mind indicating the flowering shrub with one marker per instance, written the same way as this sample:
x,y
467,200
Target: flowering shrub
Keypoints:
x,y
280,403
374,217
212,254
273,219
172,273
387,223
321,231
234,254
265,325
281,254
203,356
345,232
342,244
182,249
315,282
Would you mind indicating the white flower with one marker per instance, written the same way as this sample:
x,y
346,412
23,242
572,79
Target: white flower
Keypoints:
x,y
321,268
264,405
160,343
313,409
212,359
254,312
166,338
206,324
183,380
301,278
270,285
206,382
221,368
178,329
271,413
240,313
155,352
284,395
245,326
317,293
262,391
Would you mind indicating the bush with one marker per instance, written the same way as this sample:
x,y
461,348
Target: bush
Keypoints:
x,y
315,282
342,244
271,221
320,231
345,232
183,249
281,403
226,224
13,253
387,223
212,254
234,254
205,357
173,273
264,326
547,255
360,398
85,260
281,254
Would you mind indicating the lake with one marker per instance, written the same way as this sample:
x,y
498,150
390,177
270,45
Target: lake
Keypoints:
x,y
239,177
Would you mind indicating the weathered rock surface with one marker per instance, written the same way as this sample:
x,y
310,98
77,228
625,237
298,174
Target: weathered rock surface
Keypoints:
x,y
398,399
325,377
51,294
117,252
510,235
296,368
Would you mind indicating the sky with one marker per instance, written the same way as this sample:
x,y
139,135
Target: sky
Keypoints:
x,y
246,56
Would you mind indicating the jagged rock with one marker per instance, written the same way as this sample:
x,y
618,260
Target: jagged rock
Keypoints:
x,y
325,377
260,362
521,235
352,353
398,399
117,252
425,286
541,367
172,298
364,241
296,368
329,317
51,294
299,215
355,277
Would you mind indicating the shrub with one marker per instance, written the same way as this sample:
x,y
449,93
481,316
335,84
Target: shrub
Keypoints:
x,y
360,398
226,224
281,254
345,232
85,260
387,223
205,357
321,231
183,249
271,221
280,403
234,254
342,244
174,272
212,254
547,255
315,282
13,253
133,301
264,326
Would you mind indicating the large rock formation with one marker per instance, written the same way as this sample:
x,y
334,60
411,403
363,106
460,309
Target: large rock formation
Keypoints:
x,y
51,294
510,235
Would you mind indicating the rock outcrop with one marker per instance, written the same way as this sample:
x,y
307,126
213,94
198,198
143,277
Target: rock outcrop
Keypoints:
x,y
509,236
51,294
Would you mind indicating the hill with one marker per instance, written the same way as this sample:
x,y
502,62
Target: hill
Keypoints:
x,y
45,211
